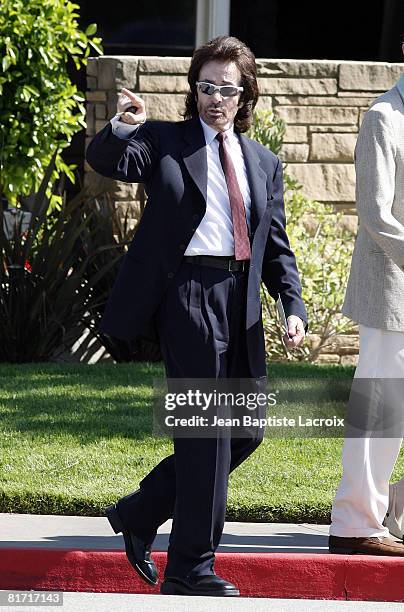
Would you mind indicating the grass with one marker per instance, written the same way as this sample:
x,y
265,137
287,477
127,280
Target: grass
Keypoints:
x,y
74,438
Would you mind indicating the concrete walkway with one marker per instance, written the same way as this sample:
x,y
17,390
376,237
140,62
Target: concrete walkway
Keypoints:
x,y
95,533
102,580
105,602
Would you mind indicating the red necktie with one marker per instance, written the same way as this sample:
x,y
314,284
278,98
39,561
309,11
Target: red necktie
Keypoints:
x,y
241,242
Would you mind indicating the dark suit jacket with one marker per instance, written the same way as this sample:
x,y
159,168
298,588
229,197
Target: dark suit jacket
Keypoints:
x,y
170,159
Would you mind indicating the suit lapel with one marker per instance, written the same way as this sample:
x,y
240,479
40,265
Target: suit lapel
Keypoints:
x,y
195,160
257,179
194,155
400,87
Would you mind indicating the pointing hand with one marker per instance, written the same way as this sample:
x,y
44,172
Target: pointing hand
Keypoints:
x,y
131,108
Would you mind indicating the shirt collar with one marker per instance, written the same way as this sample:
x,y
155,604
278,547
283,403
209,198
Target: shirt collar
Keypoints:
x,y
400,85
210,133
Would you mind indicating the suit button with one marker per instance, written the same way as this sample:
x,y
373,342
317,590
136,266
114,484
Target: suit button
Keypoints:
x,y
195,217
170,275
183,247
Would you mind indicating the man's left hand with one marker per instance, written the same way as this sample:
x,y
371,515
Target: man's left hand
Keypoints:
x,y
296,332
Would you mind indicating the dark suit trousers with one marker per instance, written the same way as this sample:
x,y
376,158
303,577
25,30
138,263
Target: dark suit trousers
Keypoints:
x,y
201,324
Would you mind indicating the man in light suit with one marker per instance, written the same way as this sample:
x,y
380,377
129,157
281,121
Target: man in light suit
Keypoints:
x,y
213,227
375,300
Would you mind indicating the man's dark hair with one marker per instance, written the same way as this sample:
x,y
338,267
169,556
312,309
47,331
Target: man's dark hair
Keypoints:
x,y
226,49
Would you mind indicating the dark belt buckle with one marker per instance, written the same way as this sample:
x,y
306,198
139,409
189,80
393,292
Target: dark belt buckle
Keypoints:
x,y
236,266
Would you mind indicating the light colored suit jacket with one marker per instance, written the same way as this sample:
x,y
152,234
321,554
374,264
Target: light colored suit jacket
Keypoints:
x,y
375,292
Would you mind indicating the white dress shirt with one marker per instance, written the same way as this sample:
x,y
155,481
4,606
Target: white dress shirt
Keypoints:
x,y
214,235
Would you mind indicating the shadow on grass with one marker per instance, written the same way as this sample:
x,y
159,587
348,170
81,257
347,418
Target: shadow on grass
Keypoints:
x,y
116,400
89,402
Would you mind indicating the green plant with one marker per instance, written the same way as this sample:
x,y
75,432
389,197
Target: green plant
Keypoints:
x,y
40,108
268,129
47,296
323,249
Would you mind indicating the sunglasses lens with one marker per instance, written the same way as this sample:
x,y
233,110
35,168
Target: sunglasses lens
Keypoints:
x,y
227,91
206,88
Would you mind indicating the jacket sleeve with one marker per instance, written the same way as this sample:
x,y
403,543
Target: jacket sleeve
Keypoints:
x,y
375,167
124,159
279,269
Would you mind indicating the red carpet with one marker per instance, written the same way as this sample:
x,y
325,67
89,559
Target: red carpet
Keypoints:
x,y
283,575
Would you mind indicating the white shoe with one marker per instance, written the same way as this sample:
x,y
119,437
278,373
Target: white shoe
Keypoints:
x,y
394,523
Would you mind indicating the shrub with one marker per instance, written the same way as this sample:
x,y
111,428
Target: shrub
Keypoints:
x,y
47,296
323,249
40,108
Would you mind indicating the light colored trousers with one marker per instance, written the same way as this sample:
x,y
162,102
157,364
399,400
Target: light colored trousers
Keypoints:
x,y
362,496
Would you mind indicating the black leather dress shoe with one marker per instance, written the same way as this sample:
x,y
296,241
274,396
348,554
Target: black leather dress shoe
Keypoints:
x,y
137,551
209,585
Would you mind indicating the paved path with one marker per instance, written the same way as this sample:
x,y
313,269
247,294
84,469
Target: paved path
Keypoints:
x,y
95,533
105,602
22,531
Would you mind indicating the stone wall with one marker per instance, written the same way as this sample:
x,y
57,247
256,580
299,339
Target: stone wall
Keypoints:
x,y
322,103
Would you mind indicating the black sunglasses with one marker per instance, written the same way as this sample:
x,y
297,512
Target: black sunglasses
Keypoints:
x,y
225,91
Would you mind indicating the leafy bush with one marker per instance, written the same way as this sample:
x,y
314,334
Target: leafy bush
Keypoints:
x,y
47,295
40,108
323,249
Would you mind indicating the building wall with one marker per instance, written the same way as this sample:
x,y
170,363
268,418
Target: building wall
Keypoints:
x,y
322,103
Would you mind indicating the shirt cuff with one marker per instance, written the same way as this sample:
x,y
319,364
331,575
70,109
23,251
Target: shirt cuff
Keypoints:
x,y
121,129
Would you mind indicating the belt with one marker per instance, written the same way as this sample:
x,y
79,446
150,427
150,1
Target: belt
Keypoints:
x,y
216,261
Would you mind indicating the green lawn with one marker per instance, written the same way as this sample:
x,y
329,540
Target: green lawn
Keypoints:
x,y
74,438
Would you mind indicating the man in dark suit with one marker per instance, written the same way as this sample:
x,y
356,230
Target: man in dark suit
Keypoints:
x,y
213,227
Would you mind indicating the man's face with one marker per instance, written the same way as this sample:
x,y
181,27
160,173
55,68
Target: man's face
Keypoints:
x,y
216,111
